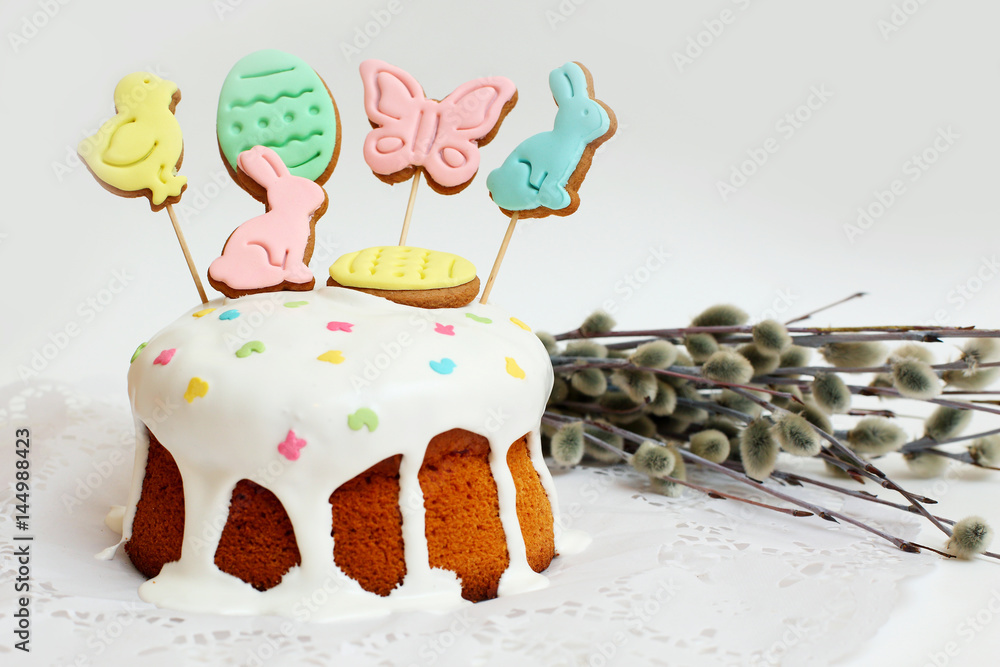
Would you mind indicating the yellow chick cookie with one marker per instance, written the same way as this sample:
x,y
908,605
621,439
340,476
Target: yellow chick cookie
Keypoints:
x,y
138,151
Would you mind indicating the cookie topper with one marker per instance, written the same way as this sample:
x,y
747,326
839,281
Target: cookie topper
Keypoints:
x,y
413,134
279,135
543,174
137,152
271,252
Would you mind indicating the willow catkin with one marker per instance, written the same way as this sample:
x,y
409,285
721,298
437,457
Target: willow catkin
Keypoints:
x,y
654,459
915,379
710,444
797,436
589,381
854,355
598,322
946,422
771,337
875,435
969,537
831,393
986,450
758,450
722,315
640,386
654,354
567,445
763,362
727,366
701,346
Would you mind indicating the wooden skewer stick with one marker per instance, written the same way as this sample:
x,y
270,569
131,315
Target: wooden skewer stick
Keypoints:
x,y
187,253
409,206
499,259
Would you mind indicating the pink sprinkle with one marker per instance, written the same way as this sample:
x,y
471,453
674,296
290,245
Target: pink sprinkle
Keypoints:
x,y
163,358
291,446
340,326
446,329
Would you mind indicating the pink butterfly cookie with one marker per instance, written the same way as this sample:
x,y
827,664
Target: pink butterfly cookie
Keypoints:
x,y
441,137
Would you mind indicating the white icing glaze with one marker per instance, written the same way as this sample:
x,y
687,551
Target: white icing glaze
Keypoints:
x,y
232,432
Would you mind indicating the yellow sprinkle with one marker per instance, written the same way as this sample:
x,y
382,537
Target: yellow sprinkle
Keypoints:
x,y
196,389
333,356
520,324
203,313
513,369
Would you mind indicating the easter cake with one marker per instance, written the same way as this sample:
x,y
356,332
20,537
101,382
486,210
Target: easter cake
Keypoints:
x,y
412,434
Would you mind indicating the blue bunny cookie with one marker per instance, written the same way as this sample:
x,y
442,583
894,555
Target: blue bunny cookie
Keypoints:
x,y
543,174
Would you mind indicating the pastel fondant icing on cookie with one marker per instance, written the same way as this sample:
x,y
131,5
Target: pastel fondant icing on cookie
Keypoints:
x,y
271,252
401,268
543,174
138,151
412,131
274,99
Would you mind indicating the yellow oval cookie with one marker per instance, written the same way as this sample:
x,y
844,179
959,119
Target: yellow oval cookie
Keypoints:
x,y
402,268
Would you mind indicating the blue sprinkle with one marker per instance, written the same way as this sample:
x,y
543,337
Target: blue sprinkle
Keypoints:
x,y
229,315
444,367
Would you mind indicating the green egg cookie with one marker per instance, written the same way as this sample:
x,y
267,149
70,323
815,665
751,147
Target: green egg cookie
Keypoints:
x,y
274,99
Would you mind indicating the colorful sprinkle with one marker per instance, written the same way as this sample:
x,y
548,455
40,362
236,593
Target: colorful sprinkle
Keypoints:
x,y
477,318
229,315
197,388
363,417
291,446
520,324
135,355
332,356
163,358
446,329
250,348
513,369
295,304
444,367
340,326
203,313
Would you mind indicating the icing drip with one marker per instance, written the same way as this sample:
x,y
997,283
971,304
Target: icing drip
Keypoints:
x,y
232,432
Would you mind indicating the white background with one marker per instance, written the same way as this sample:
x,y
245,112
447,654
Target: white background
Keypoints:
x,y
893,81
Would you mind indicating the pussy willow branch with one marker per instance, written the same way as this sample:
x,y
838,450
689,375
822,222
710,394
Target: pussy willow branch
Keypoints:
x,y
840,449
571,364
819,511
801,318
809,336
626,457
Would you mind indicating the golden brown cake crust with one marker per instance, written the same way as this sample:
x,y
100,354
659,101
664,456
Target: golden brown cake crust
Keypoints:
x,y
463,527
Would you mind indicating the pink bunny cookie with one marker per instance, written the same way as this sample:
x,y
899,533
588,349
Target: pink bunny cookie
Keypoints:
x,y
271,252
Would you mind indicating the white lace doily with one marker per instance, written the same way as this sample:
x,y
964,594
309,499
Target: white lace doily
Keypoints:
x,y
690,581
